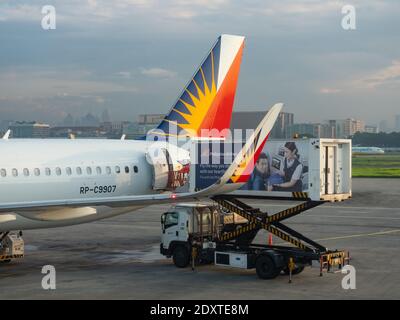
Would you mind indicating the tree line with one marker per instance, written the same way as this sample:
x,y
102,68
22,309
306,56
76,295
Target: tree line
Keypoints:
x,y
382,139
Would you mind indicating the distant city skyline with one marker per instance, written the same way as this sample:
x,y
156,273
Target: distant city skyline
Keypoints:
x,y
104,115
102,126
130,56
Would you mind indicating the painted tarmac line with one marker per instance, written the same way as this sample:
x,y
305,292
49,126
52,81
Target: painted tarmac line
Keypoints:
x,y
352,217
329,207
361,235
362,208
343,211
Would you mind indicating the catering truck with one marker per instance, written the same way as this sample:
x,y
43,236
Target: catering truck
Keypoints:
x,y
222,233
11,247
308,172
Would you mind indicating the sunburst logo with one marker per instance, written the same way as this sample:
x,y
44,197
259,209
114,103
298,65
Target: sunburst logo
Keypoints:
x,y
200,105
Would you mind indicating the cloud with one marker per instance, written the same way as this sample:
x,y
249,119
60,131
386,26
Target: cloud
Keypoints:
x,y
385,76
297,47
71,12
210,4
329,90
317,6
20,12
301,7
99,100
182,13
170,15
124,74
77,11
158,73
34,83
388,77
183,9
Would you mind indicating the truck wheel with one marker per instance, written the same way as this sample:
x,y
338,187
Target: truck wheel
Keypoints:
x,y
296,270
181,257
6,261
266,268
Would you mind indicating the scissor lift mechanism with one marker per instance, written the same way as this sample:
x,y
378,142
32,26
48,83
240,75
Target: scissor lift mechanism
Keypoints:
x,y
304,248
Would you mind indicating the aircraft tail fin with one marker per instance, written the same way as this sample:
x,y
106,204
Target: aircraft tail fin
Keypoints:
x,y
7,135
206,103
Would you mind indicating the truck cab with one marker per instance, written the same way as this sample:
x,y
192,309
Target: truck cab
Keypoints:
x,y
183,225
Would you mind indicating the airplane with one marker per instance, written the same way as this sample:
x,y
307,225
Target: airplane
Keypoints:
x,y
367,150
47,183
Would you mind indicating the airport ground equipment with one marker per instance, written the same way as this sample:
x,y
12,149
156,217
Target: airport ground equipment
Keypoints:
x,y
223,234
325,175
11,246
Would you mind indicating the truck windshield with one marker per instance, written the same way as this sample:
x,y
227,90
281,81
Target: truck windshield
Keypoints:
x,y
171,219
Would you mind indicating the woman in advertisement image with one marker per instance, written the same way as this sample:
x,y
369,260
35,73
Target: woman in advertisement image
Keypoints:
x,y
291,171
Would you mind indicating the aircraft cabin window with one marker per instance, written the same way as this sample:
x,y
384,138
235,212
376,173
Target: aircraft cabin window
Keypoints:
x,y
68,170
26,172
135,169
3,172
108,170
89,170
15,172
78,171
117,169
58,171
98,170
36,171
48,171
126,169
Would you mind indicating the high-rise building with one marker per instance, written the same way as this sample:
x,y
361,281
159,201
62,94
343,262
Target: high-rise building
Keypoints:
x,y
5,124
397,123
134,130
346,128
383,126
250,119
312,130
22,129
144,123
357,126
150,119
68,120
328,131
246,119
338,128
89,121
105,116
371,129
282,124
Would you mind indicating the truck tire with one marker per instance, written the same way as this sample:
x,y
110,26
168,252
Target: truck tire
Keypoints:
x,y
266,268
6,261
181,257
296,270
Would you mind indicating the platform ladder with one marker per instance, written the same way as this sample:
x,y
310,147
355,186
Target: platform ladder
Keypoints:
x,y
272,223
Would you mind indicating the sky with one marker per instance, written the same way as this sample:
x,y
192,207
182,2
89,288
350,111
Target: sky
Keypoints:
x,y
135,56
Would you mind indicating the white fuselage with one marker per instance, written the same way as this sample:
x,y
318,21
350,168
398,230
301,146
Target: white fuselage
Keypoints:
x,y
49,169
55,169
367,150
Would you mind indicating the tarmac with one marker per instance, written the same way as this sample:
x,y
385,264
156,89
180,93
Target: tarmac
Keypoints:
x,y
119,258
